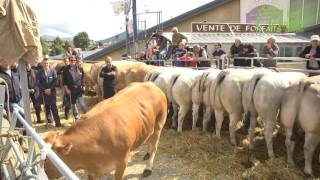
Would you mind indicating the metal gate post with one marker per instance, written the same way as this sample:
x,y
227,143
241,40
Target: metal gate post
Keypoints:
x,y
2,97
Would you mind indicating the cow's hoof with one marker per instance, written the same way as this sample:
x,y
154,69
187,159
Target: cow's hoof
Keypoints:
x,y
146,173
146,157
308,175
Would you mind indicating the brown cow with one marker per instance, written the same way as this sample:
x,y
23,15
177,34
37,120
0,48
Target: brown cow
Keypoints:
x,y
138,73
122,68
103,138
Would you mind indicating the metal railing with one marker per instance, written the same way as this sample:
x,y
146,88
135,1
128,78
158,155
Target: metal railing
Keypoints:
x,y
30,167
226,62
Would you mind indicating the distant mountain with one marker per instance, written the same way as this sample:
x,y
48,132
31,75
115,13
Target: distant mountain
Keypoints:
x,y
51,38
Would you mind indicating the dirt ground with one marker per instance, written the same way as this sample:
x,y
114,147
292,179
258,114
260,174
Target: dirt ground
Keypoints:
x,y
197,155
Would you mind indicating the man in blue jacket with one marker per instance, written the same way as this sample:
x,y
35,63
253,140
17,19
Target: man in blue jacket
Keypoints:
x,y
47,78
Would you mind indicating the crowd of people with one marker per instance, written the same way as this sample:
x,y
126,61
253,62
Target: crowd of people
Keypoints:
x,y
43,81
160,48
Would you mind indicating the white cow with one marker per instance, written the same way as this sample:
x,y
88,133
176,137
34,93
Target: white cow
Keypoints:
x,y
180,94
263,97
301,104
200,95
162,77
226,96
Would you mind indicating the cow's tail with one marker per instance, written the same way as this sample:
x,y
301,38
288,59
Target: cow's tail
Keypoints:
x,y
148,76
152,76
202,83
248,91
215,89
173,80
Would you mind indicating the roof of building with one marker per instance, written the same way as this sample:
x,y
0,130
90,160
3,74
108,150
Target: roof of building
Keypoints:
x,y
208,38
172,22
84,54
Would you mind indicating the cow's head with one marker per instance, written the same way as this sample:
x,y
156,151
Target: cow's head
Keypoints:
x,y
62,149
57,142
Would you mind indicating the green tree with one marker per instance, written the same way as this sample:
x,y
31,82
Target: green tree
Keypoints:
x,y
57,46
58,41
81,40
67,44
45,49
56,50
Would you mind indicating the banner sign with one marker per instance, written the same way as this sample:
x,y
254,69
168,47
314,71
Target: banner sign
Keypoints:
x,y
236,28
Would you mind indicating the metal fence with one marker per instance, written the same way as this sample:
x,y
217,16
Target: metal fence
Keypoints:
x,y
30,165
225,63
30,168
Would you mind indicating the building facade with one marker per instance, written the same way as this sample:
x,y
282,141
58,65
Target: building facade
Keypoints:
x,y
282,12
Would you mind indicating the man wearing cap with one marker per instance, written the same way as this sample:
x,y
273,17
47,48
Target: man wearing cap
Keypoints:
x,y
46,80
311,52
269,51
73,82
234,52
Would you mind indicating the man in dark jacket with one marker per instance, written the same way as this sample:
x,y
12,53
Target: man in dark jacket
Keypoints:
x,y
73,82
310,52
235,50
65,102
108,73
162,43
217,53
10,75
47,78
34,91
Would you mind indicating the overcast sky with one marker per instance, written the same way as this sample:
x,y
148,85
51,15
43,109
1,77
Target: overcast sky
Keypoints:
x,y
66,18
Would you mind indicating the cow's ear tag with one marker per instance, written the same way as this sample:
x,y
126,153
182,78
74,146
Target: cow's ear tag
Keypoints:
x,y
67,148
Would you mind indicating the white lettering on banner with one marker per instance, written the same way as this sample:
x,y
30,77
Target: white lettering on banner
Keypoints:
x,y
199,27
211,27
205,27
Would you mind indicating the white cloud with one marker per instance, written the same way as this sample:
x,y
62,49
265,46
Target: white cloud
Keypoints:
x,y
68,17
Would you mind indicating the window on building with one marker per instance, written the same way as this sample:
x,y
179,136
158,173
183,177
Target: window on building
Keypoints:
x,y
282,51
299,50
288,52
295,23
310,13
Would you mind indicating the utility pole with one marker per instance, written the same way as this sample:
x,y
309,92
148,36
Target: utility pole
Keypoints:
x,y
135,29
126,12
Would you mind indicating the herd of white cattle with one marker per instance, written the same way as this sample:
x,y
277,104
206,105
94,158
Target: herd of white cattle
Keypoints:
x,y
258,92
291,97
